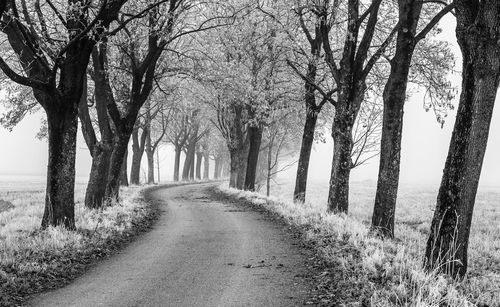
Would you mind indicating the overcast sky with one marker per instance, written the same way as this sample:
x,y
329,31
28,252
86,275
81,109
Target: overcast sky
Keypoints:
x,y
425,145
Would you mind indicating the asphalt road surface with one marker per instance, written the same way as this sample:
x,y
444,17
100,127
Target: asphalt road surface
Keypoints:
x,y
199,253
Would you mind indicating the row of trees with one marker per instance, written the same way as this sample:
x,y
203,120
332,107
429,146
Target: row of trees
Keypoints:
x,y
241,82
348,57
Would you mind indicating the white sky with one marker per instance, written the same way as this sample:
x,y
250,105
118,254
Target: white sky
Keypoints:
x,y
425,146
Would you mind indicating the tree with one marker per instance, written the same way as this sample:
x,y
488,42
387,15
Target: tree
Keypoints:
x,y
158,118
144,46
311,87
478,30
54,66
350,75
138,147
100,150
394,97
178,135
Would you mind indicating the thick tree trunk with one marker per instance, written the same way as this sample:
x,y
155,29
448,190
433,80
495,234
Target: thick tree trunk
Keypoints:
x,y
59,200
206,165
189,161
199,157
392,126
177,163
124,170
449,236
138,146
299,194
151,166
254,141
338,194
96,188
237,169
118,157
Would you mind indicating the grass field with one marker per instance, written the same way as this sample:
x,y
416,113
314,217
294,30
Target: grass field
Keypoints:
x,y
34,260
413,215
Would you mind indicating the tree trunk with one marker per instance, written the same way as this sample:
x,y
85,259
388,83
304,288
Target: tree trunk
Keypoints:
x,y
392,126
177,163
101,151
192,165
96,187
199,157
206,165
138,146
269,168
449,236
151,166
237,169
255,139
62,122
150,154
299,194
189,161
338,194
217,167
117,161
124,170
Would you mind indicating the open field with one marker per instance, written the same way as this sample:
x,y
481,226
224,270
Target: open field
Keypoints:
x,y
413,216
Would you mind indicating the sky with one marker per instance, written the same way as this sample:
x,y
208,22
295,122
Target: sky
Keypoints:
x,y
424,148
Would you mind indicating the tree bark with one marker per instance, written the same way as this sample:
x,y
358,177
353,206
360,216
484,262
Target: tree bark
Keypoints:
x,y
199,157
394,98
269,168
177,162
124,170
96,187
150,154
254,141
237,169
299,194
117,165
138,146
189,161
338,194
477,32
62,122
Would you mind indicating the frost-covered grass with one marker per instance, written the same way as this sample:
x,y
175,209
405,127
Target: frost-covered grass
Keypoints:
x,y
388,273
32,260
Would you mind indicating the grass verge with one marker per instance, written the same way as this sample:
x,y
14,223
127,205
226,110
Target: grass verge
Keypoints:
x,y
362,270
34,260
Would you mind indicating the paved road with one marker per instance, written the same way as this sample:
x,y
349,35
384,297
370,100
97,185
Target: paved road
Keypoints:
x,y
200,253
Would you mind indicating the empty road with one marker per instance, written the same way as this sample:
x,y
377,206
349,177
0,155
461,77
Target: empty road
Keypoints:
x,y
200,252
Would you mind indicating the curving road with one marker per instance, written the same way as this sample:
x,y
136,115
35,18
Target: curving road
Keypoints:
x,y
200,252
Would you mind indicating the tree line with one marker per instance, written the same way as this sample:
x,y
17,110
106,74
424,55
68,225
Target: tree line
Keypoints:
x,y
240,82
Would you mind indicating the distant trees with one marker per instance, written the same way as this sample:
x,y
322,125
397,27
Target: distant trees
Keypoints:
x,y
478,30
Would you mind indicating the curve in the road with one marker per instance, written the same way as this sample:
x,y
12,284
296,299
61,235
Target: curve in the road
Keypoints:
x,y
200,253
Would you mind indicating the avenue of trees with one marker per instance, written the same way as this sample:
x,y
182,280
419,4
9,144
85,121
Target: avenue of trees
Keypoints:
x,y
250,86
